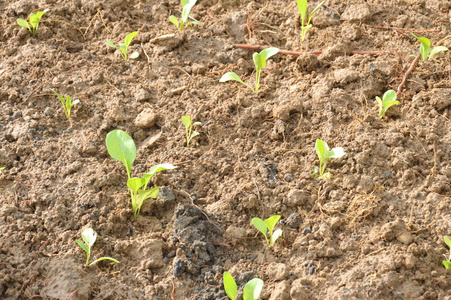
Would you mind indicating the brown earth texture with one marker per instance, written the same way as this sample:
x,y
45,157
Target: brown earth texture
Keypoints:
x,y
374,230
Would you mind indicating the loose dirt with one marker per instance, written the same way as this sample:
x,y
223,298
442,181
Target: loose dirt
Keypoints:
x,y
374,230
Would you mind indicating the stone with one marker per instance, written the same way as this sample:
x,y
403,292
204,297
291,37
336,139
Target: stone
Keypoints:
x,y
147,118
277,271
358,13
295,197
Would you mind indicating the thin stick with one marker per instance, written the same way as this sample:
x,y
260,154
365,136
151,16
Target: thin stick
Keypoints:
x,y
173,290
405,29
298,53
404,79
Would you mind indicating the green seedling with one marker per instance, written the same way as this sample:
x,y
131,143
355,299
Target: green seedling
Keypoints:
x,y
324,154
34,21
425,48
186,120
388,100
124,46
268,224
302,6
251,291
187,5
1,169
122,148
67,103
260,63
89,237
447,261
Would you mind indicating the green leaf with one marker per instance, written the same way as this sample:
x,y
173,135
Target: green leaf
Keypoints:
x,y
252,289
186,121
436,50
23,23
123,49
194,22
197,123
63,101
110,43
302,6
447,241
134,55
89,236
82,245
381,107
122,148
174,21
129,38
230,76
104,258
259,61
447,264
425,47
389,95
230,285
135,183
271,222
152,193
194,134
261,226
268,52
321,149
161,167
314,11
275,236
187,10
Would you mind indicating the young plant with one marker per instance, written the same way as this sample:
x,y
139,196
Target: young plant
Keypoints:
x,y
323,152
268,224
1,169
447,261
388,100
34,21
124,46
89,237
251,290
187,5
425,48
186,120
260,63
67,103
122,148
302,6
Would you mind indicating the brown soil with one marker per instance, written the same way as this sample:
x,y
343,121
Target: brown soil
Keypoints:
x,y
375,230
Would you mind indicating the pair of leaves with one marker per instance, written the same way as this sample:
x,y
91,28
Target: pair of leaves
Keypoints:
x,y
302,6
187,122
67,103
425,48
324,154
388,100
89,237
187,5
251,291
268,224
260,63
124,46
34,21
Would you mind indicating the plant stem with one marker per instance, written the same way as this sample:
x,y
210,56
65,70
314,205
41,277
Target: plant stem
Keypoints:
x,y
89,254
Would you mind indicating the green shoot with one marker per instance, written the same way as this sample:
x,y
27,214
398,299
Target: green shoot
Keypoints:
x,y
260,63
89,237
447,261
425,48
67,103
186,120
302,6
251,291
388,100
268,224
122,148
123,47
323,152
34,21
1,169
187,5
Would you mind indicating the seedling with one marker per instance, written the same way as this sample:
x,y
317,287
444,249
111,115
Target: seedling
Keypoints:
x,y
1,169
251,290
186,120
260,63
302,6
187,5
89,237
323,152
124,46
425,48
268,224
447,261
122,148
34,21
388,100
67,103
